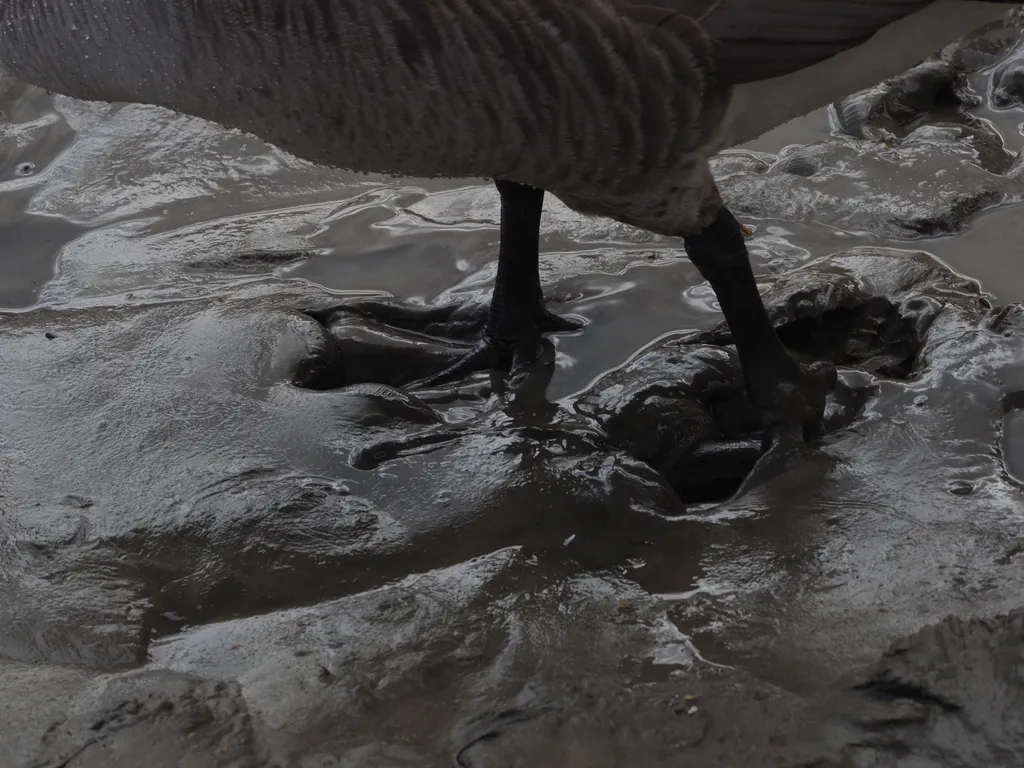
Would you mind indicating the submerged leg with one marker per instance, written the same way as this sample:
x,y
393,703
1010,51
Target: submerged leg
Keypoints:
x,y
790,397
517,317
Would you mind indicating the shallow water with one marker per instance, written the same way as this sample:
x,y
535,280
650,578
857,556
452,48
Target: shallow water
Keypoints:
x,y
171,505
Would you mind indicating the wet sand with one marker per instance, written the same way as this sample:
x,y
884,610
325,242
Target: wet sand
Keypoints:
x,y
205,564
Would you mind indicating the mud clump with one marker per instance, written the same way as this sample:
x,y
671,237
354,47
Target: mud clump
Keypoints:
x,y
916,189
890,109
1007,85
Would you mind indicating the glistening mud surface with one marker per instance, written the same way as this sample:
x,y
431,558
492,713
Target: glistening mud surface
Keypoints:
x,y
204,564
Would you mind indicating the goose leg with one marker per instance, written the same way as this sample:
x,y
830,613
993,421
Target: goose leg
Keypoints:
x,y
517,317
790,397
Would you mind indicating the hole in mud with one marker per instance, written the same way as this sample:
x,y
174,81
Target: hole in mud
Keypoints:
x,y
712,481
1012,447
872,336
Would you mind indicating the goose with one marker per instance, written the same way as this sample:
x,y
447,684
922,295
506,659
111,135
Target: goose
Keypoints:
x,y
612,106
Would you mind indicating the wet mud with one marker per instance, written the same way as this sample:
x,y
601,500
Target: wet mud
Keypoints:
x,y
232,534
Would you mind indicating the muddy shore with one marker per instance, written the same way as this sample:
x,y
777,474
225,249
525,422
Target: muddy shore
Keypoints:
x,y
228,537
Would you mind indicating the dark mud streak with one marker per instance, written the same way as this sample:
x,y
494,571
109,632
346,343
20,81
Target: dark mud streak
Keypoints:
x,y
496,726
885,687
250,261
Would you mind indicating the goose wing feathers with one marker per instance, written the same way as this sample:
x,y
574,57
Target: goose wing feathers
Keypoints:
x,y
759,39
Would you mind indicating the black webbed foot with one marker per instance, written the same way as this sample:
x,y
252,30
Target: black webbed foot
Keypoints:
x,y
789,396
508,347
517,317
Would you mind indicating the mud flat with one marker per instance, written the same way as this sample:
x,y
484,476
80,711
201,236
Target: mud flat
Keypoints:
x,y
231,538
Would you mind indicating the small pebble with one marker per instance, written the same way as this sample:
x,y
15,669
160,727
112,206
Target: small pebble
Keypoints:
x,y
50,335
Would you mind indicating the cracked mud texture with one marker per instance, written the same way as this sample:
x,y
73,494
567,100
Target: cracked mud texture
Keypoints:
x,y
228,539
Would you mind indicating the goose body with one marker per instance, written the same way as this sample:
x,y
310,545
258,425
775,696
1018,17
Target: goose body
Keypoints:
x,y
612,106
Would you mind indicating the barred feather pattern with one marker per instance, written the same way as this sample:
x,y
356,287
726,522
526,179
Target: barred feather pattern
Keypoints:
x,y
610,106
